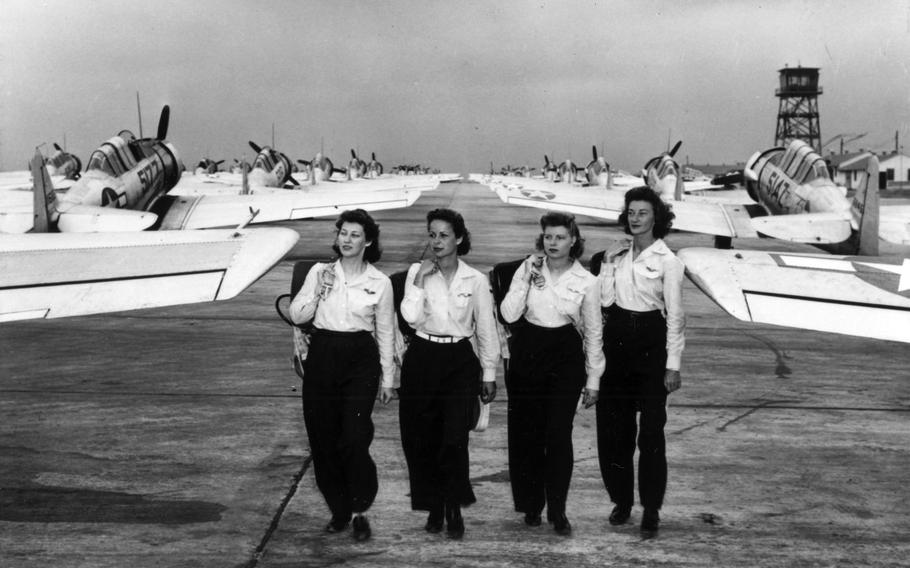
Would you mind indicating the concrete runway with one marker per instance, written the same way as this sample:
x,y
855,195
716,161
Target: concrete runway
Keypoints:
x,y
174,437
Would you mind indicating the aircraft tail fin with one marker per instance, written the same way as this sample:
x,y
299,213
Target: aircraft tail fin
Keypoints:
x,y
45,200
865,209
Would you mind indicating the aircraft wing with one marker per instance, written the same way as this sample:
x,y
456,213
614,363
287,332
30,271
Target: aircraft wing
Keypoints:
x,y
811,228
894,224
53,275
862,296
209,211
698,217
231,184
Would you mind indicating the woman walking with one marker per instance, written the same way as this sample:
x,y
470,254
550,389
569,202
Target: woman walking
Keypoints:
x,y
350,304
448,303
555,354
644,325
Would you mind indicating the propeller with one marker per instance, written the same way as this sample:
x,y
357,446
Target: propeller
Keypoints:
x,y
675,148
163,122
256,148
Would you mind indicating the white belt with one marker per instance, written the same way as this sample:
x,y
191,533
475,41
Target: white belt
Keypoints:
x,y
437,338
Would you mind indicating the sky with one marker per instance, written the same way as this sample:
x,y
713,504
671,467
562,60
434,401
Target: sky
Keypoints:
x,y
451,85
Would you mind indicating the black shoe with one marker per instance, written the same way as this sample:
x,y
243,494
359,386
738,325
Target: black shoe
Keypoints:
x,y
337,524
620,515
532,519
454,522
361,528
561,525
650,522
435,520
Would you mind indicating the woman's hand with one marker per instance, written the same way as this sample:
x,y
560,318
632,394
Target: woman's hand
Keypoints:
x,y
488,392
590,397
325,280
386,394
617,249
427,267
672,380
533,264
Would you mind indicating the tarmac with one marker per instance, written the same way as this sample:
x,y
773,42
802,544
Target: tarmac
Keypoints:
x,y
174,437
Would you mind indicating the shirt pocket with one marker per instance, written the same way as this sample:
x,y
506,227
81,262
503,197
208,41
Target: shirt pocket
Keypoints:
x,y
362,301
649,269
569,299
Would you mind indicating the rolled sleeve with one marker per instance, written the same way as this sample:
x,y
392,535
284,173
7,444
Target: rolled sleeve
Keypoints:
x,y
607,282
385,333
674,271
303,306
592,327
515,303
412,304
485,330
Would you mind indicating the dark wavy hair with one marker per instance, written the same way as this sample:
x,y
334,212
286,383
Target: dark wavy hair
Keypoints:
x,y
567,220
663,214
373,252
455,219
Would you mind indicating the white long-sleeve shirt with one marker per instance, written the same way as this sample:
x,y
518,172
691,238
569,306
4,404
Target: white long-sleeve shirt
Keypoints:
x,y
573,298
653,281
462,309
363,303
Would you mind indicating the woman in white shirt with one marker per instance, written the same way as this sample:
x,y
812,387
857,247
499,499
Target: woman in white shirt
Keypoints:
x,y
556,354
448,303
350,304
644,325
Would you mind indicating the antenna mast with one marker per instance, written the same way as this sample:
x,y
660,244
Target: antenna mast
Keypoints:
x,y
139,112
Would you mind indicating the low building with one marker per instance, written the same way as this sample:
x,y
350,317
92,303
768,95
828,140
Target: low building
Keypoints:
x,y
893,168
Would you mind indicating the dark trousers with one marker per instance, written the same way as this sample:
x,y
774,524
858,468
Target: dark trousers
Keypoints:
x,y
439,385
635,349
341,379
545,378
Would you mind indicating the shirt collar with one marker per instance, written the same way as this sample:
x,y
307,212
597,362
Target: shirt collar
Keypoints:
x,y
371,272
657,247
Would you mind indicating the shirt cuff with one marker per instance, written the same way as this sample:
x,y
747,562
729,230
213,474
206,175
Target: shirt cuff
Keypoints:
x,y
489,375
593,383
673,362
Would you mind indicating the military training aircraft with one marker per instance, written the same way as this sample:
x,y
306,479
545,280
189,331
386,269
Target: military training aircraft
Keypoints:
x,y
861,293
126,187
52,275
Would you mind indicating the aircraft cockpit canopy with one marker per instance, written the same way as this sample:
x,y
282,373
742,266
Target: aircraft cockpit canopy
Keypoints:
x,y
803,164
114,157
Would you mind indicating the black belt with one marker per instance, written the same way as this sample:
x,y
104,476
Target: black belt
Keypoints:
x,y
332,333
615,311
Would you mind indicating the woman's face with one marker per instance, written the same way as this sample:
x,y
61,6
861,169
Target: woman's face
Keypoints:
x,y
442,238
351,240
641,218
557,242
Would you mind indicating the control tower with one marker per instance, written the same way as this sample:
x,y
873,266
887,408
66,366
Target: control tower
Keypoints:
x,y
797,115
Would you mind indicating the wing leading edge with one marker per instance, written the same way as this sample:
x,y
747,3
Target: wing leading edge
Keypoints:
x,y
851,295
58,275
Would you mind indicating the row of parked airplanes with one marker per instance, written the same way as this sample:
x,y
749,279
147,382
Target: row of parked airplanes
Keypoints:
x,y
786,193
126,233
133,240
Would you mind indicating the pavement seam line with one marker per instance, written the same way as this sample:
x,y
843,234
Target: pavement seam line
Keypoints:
x,y
276,518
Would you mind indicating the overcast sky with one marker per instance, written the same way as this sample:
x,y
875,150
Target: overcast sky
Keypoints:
x,y
452,84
